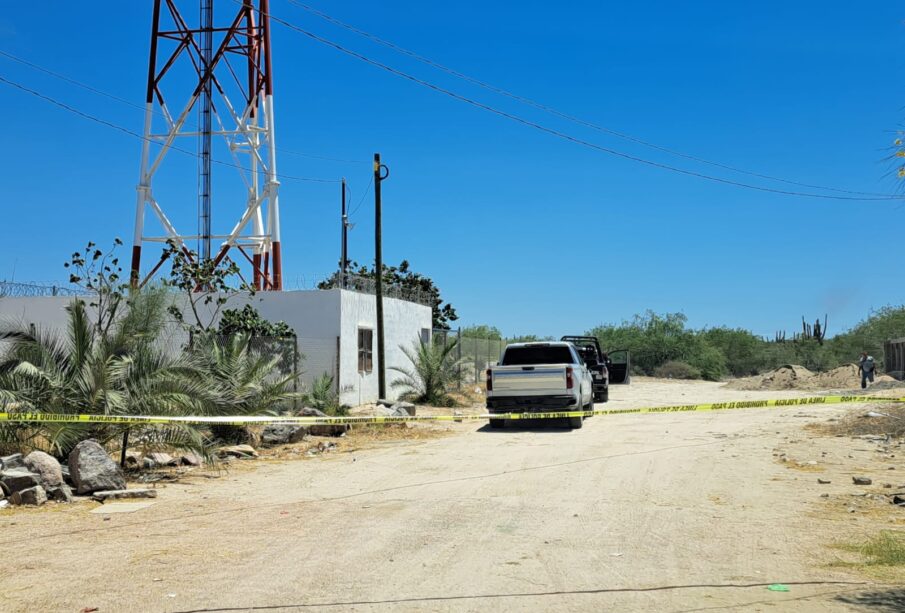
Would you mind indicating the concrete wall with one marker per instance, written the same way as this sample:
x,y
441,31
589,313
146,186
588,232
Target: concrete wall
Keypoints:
x,y
403,322
322,321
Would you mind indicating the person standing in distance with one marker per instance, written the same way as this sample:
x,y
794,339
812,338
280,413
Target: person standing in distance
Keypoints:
x,y
866,366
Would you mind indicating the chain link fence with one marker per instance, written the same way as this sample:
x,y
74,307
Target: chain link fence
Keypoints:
x,y
473,355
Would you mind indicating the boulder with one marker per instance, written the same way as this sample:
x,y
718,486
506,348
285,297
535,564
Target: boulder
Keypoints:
x,y
408,407
18,479
282,434
323,429
93,470
12,461
133,459
123,494
32,496
46,467
60,493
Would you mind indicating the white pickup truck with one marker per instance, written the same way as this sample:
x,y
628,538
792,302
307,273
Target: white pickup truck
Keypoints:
x,y
539,377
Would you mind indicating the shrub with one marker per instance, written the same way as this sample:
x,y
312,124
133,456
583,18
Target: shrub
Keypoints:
x,y
677,370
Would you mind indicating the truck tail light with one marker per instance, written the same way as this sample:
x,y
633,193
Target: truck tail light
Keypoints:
x,y
570,382
489,381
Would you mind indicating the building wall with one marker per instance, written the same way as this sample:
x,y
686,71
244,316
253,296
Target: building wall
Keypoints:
x,y
322,320
403,323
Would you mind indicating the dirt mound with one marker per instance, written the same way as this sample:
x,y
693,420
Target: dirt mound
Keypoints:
x,y
792,376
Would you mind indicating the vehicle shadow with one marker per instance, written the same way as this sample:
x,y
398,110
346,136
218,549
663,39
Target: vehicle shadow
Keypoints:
x,y
529,425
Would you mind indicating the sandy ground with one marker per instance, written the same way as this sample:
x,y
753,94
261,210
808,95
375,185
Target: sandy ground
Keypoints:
x,y
665,512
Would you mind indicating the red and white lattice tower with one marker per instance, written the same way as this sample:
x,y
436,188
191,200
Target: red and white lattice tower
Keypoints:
x,y
230,91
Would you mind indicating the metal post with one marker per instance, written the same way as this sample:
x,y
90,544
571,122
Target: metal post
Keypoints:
x,y
344,250
378,267
122,455
459,359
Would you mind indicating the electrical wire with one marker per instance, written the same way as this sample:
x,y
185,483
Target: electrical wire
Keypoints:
x,y
124,130
142,108
555,112
563,135
363,196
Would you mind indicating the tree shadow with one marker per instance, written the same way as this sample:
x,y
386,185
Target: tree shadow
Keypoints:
x,y
883,601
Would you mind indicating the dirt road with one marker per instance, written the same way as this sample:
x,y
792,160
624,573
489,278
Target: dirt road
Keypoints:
x,y
672,512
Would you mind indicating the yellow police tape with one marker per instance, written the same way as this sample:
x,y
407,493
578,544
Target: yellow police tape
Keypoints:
x,y
24,417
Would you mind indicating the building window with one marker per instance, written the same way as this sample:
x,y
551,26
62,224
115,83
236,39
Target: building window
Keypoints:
x,y
365,350
426,336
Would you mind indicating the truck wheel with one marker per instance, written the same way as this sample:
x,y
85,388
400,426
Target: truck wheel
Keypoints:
x,y
497,423
575,422
605,395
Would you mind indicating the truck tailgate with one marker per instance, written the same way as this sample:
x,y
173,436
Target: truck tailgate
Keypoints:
x,y
528,379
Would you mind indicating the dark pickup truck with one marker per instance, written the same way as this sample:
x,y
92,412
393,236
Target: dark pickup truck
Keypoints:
x,y
607,369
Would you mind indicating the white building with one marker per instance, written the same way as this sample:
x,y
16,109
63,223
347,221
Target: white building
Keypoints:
x,y
336,331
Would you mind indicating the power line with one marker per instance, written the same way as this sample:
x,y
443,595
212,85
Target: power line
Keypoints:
x,y
114,126
363,196
142,108
553,111
563,135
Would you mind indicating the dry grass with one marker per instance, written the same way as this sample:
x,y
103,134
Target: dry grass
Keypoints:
x,y
856,424
881,555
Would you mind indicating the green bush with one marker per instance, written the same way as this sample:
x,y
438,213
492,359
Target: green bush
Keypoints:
x,y
677,370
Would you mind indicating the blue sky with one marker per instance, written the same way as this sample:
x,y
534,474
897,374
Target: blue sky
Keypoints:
x,y
519,229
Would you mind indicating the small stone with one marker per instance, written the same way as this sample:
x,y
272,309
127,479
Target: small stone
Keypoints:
x,y
823,481
862,480
408,407
811,463
134,459
891,468
33,496
851,510
162,459
239,451
824,495
887,485
191,459
123,494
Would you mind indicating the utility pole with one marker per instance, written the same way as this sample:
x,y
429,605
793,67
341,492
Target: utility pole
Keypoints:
x,y
379,177
344,252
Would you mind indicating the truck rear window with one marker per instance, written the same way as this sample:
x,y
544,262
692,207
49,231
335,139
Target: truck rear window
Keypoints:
x,y
516,356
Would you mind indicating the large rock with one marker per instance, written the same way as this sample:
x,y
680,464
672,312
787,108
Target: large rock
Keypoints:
x,y
282,434
190,458
93,470
18,479
45,466
323,429
60,493
11,461
32,496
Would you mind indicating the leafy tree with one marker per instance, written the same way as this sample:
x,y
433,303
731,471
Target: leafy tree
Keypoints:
x,y
205,285
100,275
403,278
249,322
433,372
482,331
